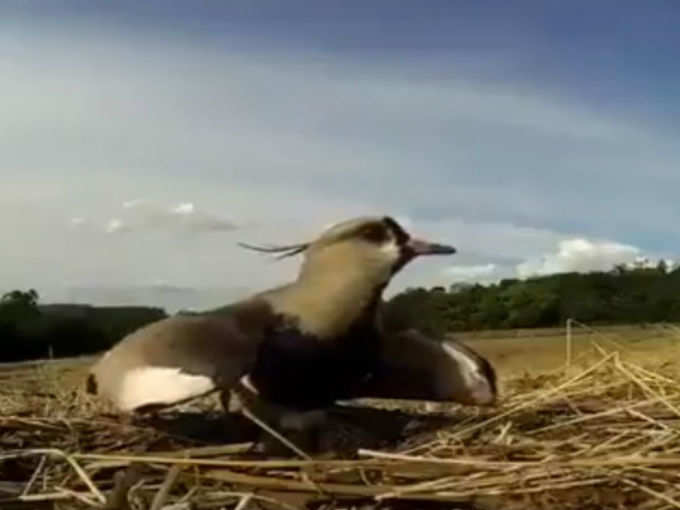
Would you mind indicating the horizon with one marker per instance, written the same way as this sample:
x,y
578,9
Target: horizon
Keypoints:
x,y
142,297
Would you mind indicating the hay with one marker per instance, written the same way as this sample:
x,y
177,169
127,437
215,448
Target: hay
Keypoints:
x,y
603,437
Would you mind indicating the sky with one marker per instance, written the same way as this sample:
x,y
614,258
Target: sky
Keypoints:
x,y
141,141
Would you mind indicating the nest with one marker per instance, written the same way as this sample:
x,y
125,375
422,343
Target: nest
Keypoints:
x,y
602,436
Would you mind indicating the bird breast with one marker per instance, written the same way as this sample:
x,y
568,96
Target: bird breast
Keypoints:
x,y
297,369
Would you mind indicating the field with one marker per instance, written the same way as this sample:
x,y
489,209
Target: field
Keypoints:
x,y
599,433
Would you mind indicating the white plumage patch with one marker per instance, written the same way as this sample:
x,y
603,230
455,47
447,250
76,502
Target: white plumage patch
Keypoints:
x,y
478,390
391,250
245,380
160,385
463,359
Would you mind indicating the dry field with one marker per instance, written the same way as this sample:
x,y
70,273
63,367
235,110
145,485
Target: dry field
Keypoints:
x,y
602,433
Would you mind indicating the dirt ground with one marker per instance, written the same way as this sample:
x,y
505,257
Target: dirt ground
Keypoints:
x,y
519,352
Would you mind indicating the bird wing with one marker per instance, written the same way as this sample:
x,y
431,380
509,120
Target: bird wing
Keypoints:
x,y
408,369
179,358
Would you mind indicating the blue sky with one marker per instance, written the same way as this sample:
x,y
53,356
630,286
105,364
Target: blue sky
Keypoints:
x,y
141,141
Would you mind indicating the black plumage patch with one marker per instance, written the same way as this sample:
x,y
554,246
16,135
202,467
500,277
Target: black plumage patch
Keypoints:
x,y
399,233
488,370
303,372
374,232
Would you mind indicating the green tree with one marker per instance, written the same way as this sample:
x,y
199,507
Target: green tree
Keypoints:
x,y
641,293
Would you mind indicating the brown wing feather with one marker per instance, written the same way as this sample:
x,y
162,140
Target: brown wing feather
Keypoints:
x,y
217,349
408,369
415,366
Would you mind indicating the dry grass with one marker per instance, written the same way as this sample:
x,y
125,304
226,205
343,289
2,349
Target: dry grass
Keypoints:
x,y
603,434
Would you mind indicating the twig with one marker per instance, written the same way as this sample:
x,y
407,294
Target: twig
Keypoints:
x,y
417,487
545,395
287,442
68,458
283,463
256,497
270,482
82,497
607,462
34,476
590,417
47,496
644,386
210,451
86,479
162,494
659,495
243,502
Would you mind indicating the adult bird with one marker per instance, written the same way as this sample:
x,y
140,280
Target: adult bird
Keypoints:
x,y
410,366
302,344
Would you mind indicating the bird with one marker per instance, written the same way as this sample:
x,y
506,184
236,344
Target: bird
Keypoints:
x,y
301,344
411,366
414,366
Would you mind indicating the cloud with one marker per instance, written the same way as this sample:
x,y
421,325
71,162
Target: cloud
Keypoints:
x,y
77,222
443,146
116,225
470,273
185,208
644,262
99,116
579,255
481,246
141,215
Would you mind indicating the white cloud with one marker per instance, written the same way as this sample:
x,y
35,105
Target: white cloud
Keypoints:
x,y
480,245
579,255
470,273
147,215
116,225
185,208
646,262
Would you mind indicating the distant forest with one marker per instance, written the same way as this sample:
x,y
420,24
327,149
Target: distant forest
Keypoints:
x,y
621,296
624,295
29,330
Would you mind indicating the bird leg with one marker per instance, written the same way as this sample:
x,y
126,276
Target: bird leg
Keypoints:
x,y
270,417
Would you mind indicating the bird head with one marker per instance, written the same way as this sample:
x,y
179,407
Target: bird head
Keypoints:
x,y
378,247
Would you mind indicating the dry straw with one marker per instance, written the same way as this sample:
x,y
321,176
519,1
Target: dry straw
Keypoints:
x,y
607,436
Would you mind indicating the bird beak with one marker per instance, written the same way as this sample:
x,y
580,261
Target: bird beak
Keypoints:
x,y
419,247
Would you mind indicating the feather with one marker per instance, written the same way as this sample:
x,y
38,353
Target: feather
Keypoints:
x,y
286,251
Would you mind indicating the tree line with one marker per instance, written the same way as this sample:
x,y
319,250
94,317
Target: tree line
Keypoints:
x,y
624,295
621,296
29,330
